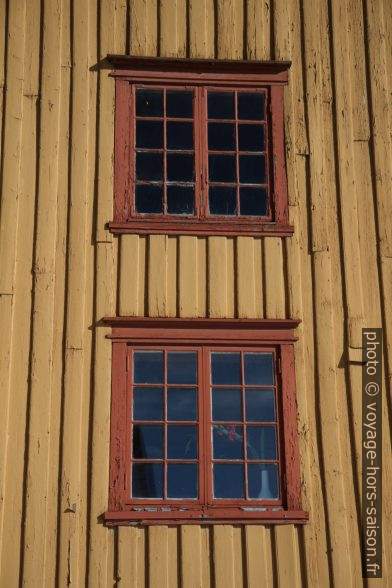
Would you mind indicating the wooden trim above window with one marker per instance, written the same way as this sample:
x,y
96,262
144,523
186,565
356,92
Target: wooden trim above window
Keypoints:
x,y
206,335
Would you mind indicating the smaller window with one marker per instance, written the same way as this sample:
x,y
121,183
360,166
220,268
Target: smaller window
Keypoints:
x,y
199,147
203,422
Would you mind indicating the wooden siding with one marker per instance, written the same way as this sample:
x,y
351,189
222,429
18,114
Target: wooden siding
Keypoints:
x,y
62,271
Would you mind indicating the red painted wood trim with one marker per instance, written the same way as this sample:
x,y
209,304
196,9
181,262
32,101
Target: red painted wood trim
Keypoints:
x,y
122,152
206,68
205,516
118,427
292,464
279,198
201,228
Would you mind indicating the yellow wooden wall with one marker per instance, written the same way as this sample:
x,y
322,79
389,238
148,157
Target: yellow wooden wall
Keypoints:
x,y
61,272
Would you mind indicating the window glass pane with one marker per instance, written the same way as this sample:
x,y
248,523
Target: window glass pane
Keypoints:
x,y
260,405
253,201
221,136
148,367
182,480
222,168
149,199
148,441
181,442
180,167
149,166
252,169
227,442
261,443
148,404
149,102
259,368
250,106
263,481
179,135
147,480
228,480
181,404
226,404
149,134
179,103
251,137
182,367
222,200
226,368
221,105
180,199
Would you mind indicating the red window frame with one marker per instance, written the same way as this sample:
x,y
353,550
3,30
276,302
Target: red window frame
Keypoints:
x,y
200,76
204,336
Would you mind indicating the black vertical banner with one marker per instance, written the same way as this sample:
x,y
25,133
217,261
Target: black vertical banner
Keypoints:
x,y
371,453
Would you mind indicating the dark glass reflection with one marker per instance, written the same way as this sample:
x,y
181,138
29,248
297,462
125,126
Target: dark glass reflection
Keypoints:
x,y
221,136
253,201
182,480
181,404
180,167
222,168
226,368
147,480
228,480
149,199
263,481
181,442
250,106
251,137
149,134
182,367
228,442
226,404
149,102
179,135
148,404
222,200
179,104
259,405
221,105
180,199
148,367
149,166
252,169
259,368
147,441
261,443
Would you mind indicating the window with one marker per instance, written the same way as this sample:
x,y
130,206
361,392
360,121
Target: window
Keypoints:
x,y
199,147
203,422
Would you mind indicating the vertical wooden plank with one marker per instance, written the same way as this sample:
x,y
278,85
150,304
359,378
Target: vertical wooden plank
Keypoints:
x,y
129,302
230,23
128,570
202,276
223,556
171,268
246,281
258,571
258,17
44,283
188,277
274,285
217,277
158,556
157,275
172,39
173,548
239,545
191,562
258,275
144,27
201,28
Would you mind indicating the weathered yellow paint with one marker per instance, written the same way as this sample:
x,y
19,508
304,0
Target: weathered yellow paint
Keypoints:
x,y
62,271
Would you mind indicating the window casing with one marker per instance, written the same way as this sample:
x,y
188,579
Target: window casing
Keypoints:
x,y
203,422
199,147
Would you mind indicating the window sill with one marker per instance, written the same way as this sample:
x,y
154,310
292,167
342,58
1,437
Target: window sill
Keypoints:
x,y
202,228
154,516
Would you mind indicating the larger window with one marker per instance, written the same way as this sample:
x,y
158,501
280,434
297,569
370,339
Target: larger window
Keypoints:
x,y
199,147
203,422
